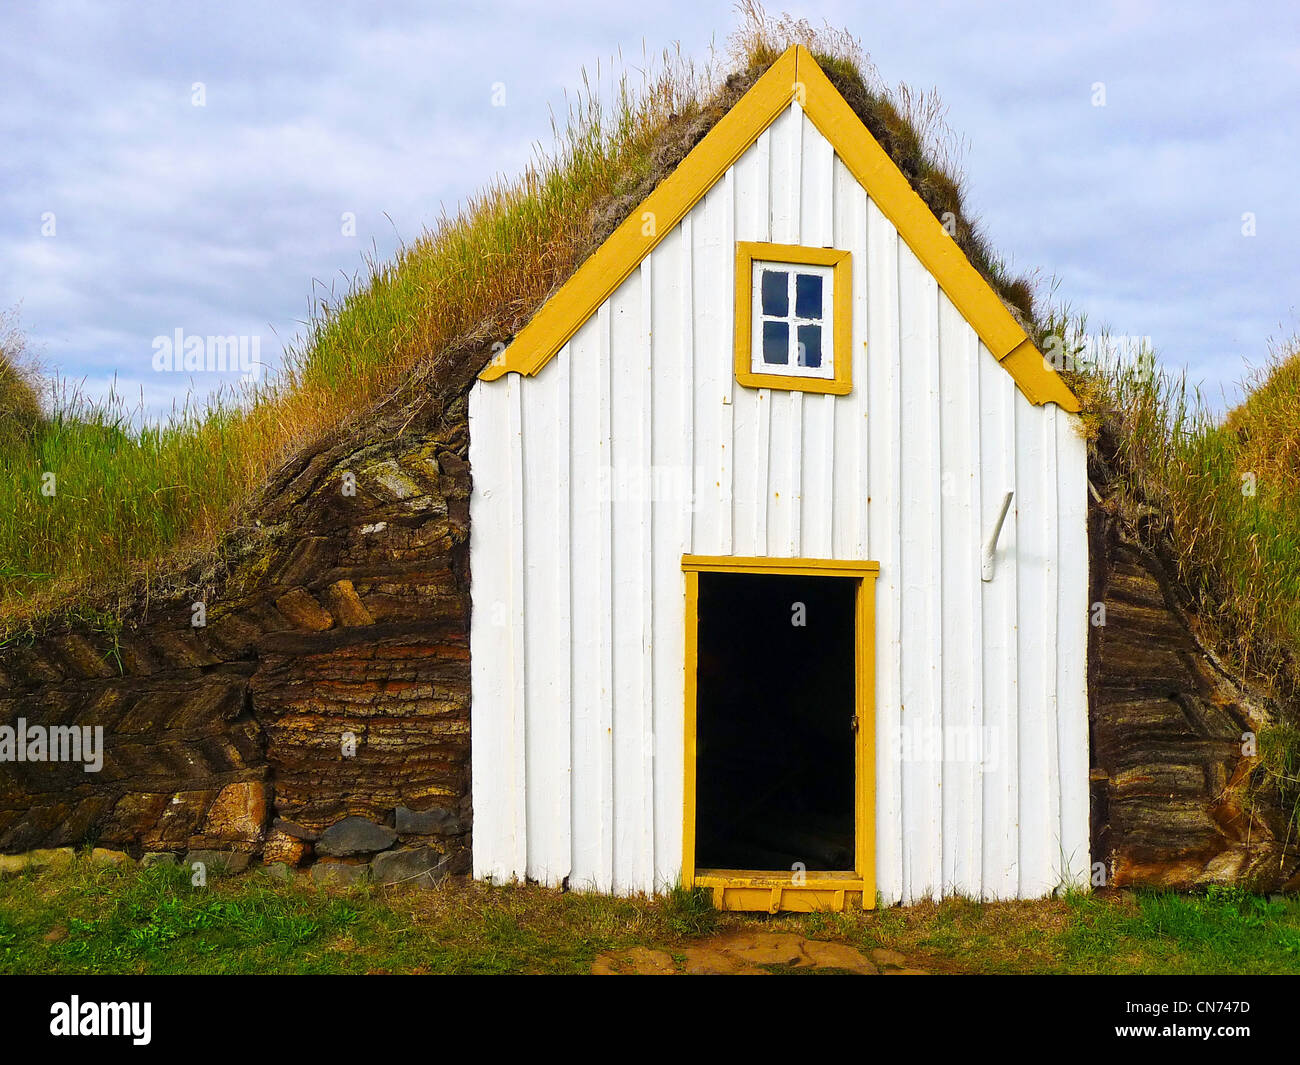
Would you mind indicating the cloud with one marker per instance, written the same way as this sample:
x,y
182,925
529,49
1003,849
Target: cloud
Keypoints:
x,y
221,219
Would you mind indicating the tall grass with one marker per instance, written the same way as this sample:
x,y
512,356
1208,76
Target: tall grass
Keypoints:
x,y
1222,497
87,501
20,406
133,506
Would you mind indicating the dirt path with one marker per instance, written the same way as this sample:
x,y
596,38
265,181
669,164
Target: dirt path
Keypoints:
x,y
754,954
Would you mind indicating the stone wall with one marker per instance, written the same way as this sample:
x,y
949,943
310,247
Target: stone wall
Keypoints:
x,y
322,712
330,682
1171,803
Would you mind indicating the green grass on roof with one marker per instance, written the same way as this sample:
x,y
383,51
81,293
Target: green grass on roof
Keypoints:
x,y
132,507
20,405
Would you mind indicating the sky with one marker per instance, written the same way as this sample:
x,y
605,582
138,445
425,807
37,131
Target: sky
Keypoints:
x,y
214,168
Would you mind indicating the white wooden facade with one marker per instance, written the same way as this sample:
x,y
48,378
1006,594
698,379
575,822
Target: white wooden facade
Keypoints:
x,y
635,446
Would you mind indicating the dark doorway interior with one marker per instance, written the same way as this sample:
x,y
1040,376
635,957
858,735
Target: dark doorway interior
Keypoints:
x,y
774,722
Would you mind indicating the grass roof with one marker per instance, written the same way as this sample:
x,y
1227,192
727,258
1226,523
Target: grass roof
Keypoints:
x,y
20,405
136,507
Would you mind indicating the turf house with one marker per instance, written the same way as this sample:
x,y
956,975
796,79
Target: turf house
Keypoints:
x,y
745,539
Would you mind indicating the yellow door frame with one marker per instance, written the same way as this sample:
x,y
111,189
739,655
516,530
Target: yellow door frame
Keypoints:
x,y
774,890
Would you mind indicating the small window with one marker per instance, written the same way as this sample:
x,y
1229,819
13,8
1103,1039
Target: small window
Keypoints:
x,y
790,336
791,312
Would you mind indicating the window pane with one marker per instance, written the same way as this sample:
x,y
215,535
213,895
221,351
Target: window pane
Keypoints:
x,y
810,345
776,293
808,296
776,343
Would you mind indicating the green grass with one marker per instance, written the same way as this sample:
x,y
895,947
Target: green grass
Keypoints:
x,y
128,505
92,918
141,507
1227,930
1220,498
20,406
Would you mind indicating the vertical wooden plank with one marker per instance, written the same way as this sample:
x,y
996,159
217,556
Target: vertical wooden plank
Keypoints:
x,y
1037,811
721,358
544,438
760,476
628,465
922,607
560,739
793,543
884,543
851,481
585,567
516,750
749,405
490,661
1001,812
1050,646
817,489
673,388
785,140
786,443
970,877
817,203
687,380
1072,647
785,407
643,874
605,604
961,535
816,448
714,259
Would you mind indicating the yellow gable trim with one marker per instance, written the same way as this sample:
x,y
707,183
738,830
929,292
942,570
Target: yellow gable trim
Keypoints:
x,y
938,252
795,75
609,265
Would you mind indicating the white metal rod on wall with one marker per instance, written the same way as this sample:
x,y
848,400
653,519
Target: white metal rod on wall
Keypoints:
x,y
991,545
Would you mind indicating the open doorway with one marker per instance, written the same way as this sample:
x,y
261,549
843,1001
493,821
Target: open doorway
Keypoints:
x,y
775,722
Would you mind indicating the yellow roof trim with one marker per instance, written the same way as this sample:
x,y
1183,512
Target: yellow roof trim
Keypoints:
x,y
795,75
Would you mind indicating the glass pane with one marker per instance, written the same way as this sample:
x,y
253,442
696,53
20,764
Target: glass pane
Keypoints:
x,y
808,296
776,343
810,345
776,293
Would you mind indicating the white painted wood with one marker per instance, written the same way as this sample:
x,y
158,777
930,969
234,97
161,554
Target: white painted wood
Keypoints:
x,y
1000,829
750,406
635,446
785,408
490,633
545,556
884,416
921,501
713,264
671,515
786,146
586,544
961,536
1036,747
817,449
605,600
630,464
1072,632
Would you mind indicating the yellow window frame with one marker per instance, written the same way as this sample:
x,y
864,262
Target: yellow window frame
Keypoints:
x,y
747,252
777,890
